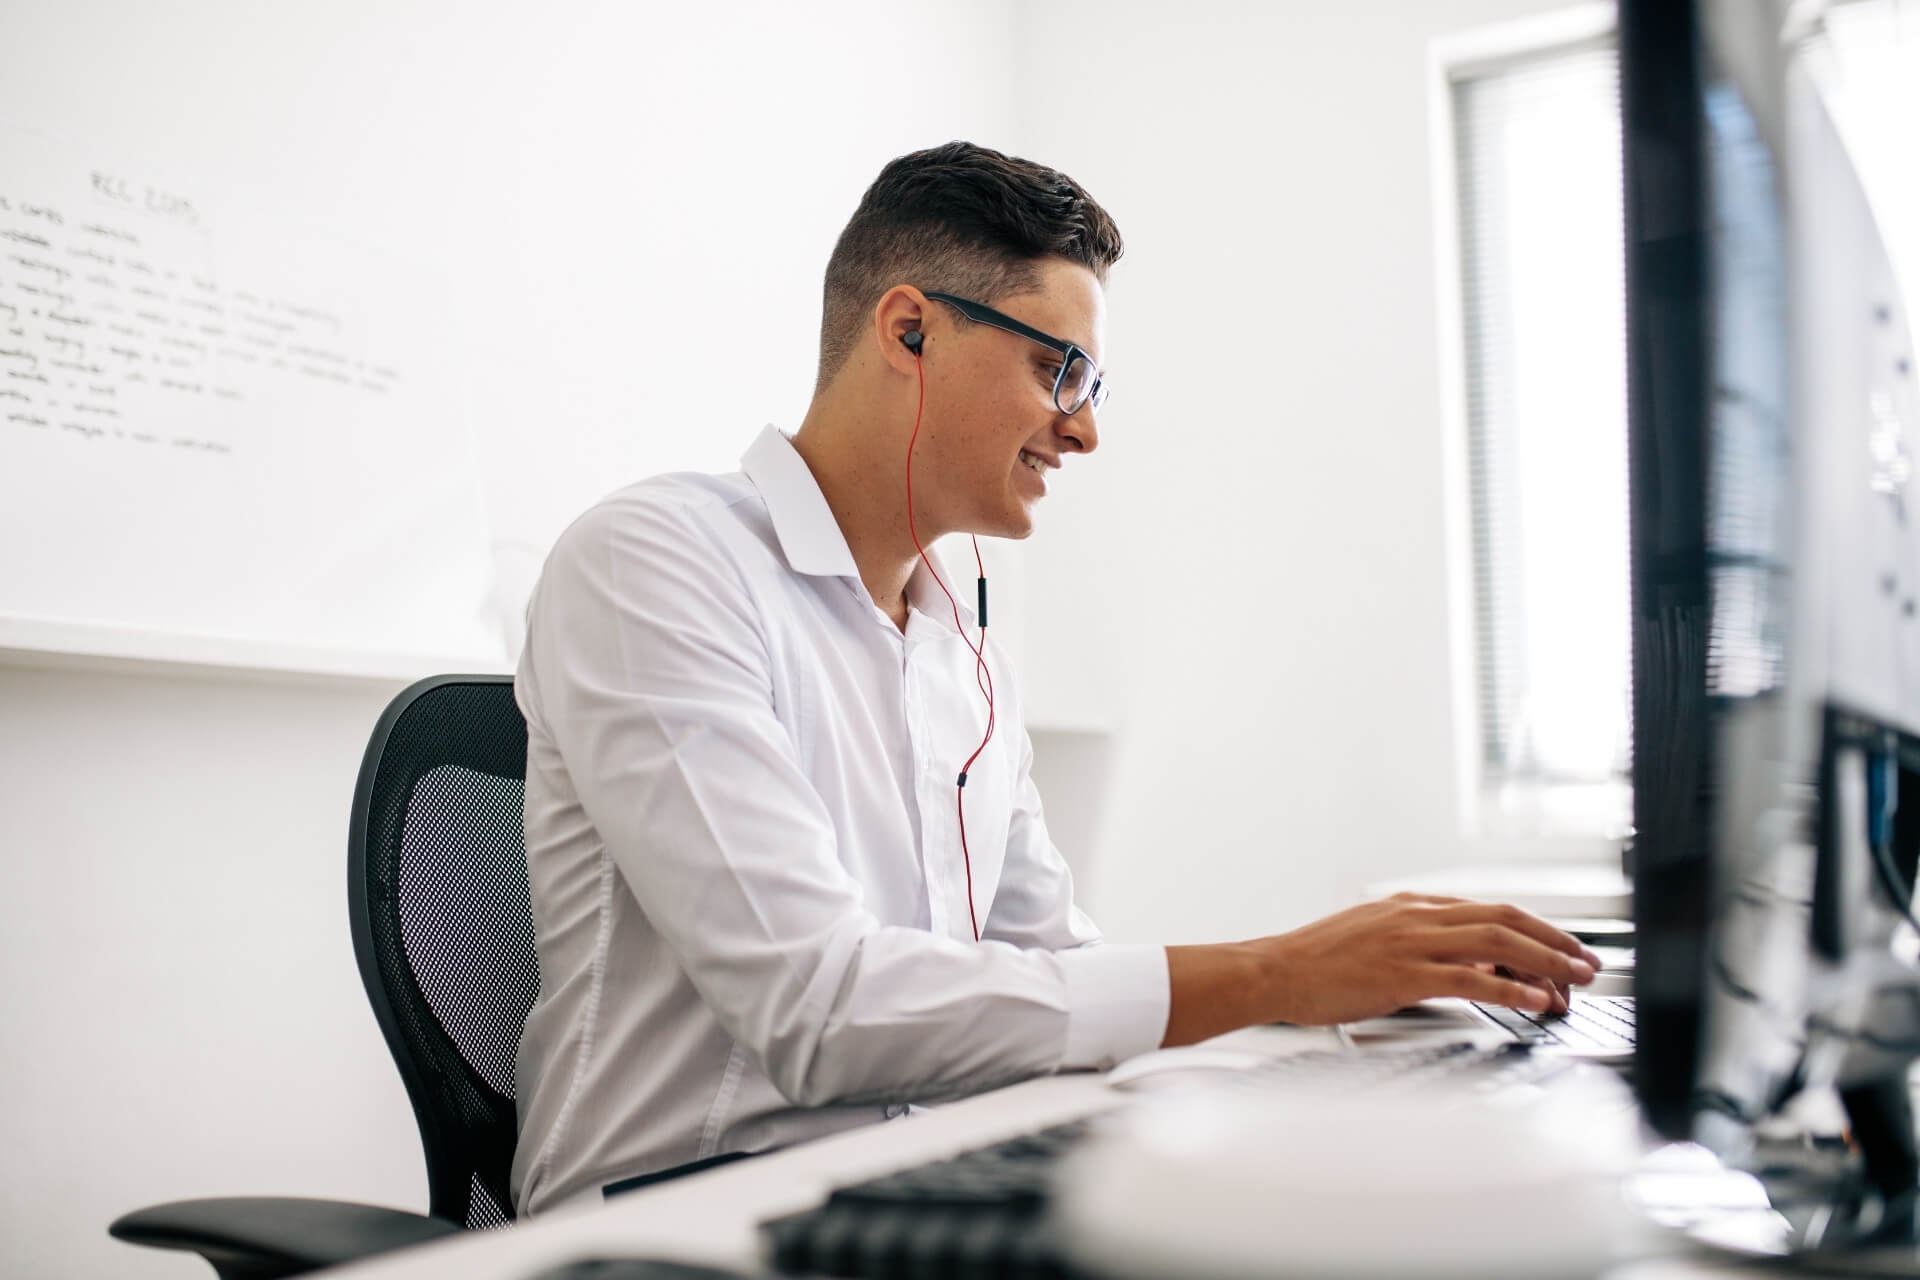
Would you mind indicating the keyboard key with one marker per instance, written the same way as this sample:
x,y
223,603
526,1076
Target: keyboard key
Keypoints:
x,y
1595,1023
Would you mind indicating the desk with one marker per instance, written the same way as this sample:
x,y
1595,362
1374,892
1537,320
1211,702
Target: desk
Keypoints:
x,y
712,1217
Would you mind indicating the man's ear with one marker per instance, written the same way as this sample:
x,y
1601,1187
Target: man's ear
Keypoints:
x,y
899,327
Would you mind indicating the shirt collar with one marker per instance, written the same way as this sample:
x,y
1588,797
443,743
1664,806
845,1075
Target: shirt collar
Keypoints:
x,y
810,537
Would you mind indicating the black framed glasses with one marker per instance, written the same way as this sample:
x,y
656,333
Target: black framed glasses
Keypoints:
x,y
1077,382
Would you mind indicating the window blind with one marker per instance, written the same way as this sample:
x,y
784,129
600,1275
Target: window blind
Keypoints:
x,y
1543,285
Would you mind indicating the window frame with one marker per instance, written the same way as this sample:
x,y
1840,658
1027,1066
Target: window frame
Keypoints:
x,y
1500,817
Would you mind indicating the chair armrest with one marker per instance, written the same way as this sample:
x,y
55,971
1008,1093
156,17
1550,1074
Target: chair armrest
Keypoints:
x,y
264,1238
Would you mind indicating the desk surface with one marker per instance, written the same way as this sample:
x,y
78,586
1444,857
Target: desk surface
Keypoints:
x,y
712,1217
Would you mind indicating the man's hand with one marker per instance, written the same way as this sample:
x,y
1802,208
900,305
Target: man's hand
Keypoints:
x,y
1375,958
1382,956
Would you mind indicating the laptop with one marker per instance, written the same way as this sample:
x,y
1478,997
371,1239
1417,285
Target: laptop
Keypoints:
x,y
1598,1028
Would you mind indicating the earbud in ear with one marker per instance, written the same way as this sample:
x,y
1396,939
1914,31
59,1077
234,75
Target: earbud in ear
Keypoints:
x,y
911,340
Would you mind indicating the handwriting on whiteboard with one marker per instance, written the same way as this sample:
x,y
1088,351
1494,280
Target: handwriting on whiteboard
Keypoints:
x,y
117,325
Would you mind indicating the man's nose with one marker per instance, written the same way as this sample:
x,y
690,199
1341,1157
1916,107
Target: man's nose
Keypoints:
x,y
1080,430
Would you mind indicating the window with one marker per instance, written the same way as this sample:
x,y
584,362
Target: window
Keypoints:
x,y
1868,64
1545,329
1536,223
1536,177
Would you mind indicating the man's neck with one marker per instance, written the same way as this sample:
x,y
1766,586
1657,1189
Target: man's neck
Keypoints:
x,y
866,491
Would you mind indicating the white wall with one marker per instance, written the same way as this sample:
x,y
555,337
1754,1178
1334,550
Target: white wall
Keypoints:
x,y
632,205
1248,579
1244,589
182,1013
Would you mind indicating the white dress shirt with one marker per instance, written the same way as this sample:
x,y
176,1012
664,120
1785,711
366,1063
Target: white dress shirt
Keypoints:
x,y
744,851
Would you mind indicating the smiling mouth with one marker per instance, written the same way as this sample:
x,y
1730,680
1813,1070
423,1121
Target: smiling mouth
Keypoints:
x,y
1040,465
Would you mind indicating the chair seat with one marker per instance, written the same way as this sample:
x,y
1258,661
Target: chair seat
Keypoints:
x,y
263,1238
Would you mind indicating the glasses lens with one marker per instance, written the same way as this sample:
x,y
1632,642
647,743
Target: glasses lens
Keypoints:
x,y
1076,383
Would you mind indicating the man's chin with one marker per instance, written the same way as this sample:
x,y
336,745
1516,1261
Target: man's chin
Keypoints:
x,y
1018,528
1006,532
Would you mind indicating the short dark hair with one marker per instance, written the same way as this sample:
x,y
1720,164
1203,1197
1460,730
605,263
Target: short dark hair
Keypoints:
x,y
960,219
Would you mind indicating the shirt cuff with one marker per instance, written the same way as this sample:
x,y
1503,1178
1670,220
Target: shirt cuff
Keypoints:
x,y
1117,997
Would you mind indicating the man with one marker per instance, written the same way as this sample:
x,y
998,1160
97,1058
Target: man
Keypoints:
x,y
766,910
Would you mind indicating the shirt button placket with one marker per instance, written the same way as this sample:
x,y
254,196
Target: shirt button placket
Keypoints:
x,y
926,767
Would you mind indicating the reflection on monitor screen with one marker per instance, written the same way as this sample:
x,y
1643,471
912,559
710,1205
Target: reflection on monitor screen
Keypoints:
x,y
1776,579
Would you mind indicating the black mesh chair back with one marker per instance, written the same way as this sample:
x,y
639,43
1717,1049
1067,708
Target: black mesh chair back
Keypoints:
x,y
442,926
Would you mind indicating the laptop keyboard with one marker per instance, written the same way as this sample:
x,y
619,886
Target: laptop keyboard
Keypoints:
x,y
1595,1024
983,1213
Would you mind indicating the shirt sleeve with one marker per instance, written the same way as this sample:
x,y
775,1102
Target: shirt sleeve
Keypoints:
x,y
649,671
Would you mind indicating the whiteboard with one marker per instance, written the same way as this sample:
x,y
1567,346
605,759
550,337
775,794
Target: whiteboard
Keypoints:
x,y
224,436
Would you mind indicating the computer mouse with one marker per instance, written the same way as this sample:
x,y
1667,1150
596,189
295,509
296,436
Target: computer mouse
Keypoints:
x,y
1188,1064
1330,1182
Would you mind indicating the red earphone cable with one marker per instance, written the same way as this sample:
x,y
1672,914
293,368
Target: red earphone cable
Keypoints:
x,y
983,675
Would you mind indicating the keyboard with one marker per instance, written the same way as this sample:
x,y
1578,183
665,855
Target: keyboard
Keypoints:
x,y
1595,1024
980,1214
983,1213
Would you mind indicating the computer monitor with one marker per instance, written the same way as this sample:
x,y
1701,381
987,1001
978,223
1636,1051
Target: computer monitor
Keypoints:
x,y
1776,581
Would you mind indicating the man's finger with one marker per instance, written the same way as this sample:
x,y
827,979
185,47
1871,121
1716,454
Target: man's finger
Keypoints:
x,y
1512,917
1562,992
1473,944
1471,983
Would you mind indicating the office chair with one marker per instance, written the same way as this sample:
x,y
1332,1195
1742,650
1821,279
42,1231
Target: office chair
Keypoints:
x,y
443,930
